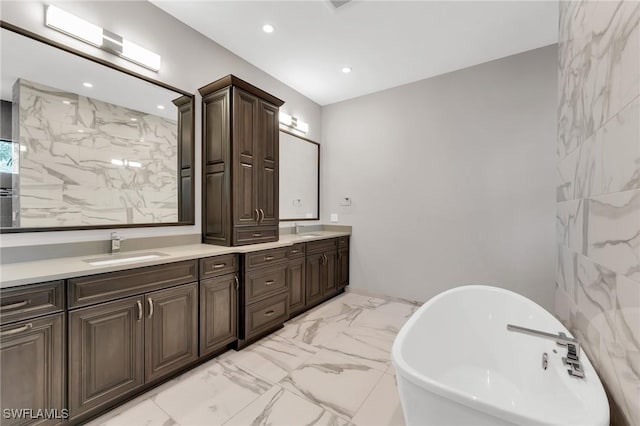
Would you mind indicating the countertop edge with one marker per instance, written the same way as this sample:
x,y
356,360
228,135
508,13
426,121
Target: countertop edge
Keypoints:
x,y
84,269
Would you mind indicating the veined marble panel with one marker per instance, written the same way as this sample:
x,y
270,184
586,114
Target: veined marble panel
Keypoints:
x,y
571,225
566,271
614,232
599,63
620,138
97,153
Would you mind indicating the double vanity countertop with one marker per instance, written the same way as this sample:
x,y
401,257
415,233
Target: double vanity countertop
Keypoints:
x,y
16,274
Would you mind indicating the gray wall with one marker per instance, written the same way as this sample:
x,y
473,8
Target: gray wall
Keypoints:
x,y
598,194
451,180
189,61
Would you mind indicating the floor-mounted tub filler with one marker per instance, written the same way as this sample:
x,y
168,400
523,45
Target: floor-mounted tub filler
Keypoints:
x,y
480,355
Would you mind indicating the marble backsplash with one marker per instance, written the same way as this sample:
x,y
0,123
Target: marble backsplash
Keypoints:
x,y
88,162
598,192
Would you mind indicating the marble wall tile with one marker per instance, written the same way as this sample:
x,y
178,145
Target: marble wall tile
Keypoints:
x,y
598,230
620,138
74,143
571,225
614,232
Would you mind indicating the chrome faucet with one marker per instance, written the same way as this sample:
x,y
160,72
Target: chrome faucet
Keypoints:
x,y
572,360
115,242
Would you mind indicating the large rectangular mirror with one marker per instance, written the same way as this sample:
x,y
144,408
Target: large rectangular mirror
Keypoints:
x,y
299,178
86,144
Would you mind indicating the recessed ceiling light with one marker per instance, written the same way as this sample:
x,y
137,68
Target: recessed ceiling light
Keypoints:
x,y
134,119
267,28
160,106
346,70
87,84
66,102
80,131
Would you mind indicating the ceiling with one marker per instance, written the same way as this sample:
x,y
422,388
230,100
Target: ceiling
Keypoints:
x,y
386,43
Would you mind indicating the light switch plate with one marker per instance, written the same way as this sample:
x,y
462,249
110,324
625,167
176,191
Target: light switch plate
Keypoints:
x,y
334,217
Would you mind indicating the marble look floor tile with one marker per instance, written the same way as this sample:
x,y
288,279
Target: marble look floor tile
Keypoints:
x,y
280,407
143,413
212,396
363,345
333,382
382,407
273,357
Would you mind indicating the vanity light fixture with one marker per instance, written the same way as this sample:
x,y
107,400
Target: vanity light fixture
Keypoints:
x,y
74,26
293,122
267,28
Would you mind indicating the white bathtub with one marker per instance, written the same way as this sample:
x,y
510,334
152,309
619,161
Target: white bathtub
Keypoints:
x,y
456,364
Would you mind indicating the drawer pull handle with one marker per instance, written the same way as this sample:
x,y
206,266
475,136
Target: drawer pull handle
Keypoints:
x,y
14,305
262,212
150,301
257,215
295,251
257,234
139,303
235,277
268,258
219,265
17,330
269,313
270,282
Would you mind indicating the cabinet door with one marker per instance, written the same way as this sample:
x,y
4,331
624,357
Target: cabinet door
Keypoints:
x,y
33,367
218,312
343,268
268,143
171,330
314,268
106,353
329,273
296,284
245,158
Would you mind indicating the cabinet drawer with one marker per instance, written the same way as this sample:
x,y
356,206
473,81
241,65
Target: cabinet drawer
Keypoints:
x,y
322,245
114,285
255,235
297,250
265,282
265,258
218,265
269,313
30,301
343,242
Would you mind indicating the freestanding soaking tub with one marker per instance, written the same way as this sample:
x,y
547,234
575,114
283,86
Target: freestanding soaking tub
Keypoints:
x,y
457,364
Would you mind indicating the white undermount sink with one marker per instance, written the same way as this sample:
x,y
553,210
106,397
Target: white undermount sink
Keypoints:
x,y
115,259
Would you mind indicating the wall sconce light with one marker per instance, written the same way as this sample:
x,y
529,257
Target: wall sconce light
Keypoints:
x,y
87,32
293,122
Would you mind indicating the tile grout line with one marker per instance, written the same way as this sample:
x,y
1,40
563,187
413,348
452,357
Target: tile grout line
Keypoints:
x,y
368,395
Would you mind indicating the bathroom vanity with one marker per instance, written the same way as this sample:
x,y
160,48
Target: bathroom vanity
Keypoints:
x,y
89,341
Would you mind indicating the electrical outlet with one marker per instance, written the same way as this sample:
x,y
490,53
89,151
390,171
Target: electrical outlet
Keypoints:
x,y
334,217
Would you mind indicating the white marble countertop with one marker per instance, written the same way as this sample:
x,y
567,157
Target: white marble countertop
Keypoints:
x,y
15,274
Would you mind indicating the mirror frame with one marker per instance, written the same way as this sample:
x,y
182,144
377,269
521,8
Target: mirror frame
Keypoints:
x,y
317,217
182,173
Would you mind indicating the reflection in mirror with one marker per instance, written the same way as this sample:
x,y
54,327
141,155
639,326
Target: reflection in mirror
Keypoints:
x,y
299,178
85,145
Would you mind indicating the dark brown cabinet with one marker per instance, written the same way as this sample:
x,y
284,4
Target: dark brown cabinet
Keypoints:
x,y
171,330
33,368
315,264
343,262
296,280
322,272
240,163
218,313
106,353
